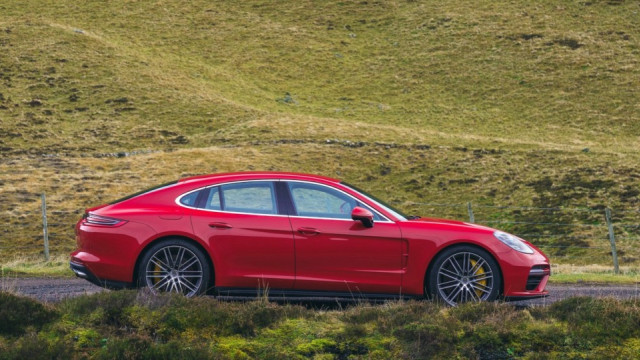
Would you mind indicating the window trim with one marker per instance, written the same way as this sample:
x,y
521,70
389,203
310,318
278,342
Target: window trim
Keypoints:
x,y
368,207
291,206
207,189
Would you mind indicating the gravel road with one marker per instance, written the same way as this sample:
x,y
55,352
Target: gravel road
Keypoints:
x,y
55,289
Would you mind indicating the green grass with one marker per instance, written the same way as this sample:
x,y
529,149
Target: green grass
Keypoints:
x,y
498,103
595,278
126,324
572,274
27,266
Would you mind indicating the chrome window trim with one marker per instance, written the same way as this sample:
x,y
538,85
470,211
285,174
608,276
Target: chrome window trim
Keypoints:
x,y
177,201
386,219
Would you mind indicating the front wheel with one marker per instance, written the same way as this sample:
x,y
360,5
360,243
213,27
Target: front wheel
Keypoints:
x,y
174,265
464,274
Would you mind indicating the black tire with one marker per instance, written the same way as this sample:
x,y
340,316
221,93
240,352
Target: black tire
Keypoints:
x,y
174,265
456,276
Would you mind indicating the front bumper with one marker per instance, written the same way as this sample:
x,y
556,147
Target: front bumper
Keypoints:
x,y
83,272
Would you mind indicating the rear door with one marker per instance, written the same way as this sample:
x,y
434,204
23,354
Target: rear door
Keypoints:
x,y
251,241
335,253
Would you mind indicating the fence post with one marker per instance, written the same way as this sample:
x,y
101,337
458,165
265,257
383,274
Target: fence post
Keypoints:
x,y
471,217
45,230
612,239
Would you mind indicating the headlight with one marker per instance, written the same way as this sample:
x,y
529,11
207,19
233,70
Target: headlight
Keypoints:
x,y
513,242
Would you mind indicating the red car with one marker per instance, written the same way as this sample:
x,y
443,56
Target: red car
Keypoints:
x,y
300,234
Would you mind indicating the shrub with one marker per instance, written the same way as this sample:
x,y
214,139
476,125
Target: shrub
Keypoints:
x,y
33,347
19,313
106,307
599,321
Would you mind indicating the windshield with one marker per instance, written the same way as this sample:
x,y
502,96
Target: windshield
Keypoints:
x,y
397,213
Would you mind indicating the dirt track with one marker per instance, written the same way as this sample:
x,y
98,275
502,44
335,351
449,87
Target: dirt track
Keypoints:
x,y
55,289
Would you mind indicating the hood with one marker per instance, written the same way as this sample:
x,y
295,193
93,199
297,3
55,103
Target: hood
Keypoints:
x,y
450,222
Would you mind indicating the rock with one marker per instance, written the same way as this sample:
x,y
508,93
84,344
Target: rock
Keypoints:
x,y
35,102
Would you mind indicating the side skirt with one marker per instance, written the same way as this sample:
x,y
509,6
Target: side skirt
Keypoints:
x,y
226,293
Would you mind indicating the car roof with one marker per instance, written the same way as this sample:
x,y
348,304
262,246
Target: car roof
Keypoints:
x,y
254,175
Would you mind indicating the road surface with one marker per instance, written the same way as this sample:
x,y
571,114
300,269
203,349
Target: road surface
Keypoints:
x,y
56,289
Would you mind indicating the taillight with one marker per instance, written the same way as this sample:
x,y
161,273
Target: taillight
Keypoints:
x,y
97,220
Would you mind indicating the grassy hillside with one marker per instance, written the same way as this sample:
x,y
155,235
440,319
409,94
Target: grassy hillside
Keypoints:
x,y
500,103
126,324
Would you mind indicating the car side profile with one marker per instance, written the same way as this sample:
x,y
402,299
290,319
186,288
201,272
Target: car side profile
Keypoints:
x,y
300,234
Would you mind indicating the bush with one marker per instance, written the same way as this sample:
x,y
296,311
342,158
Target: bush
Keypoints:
x,y
19,313
599,321
107,308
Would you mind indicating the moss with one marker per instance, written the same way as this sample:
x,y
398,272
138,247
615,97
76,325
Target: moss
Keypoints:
x,y
85,338
233,347
316,346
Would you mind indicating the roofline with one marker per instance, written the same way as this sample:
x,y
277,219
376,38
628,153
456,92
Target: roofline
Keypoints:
x,y
258,174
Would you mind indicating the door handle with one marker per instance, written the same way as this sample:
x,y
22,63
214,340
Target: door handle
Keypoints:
x,y
220,225
308,231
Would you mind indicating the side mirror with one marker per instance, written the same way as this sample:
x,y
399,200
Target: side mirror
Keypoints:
x,y
364,215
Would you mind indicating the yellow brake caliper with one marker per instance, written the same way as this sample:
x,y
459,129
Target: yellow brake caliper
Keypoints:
x,y
479,272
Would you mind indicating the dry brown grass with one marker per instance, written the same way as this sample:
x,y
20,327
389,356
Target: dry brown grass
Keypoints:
x,y
520,103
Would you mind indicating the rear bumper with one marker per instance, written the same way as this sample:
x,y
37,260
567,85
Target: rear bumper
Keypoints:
x,y
83,272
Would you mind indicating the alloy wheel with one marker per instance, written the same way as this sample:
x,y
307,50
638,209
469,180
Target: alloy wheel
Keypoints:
x,y
174,268
464,277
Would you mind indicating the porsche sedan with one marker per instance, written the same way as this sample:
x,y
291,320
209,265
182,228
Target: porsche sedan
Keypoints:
x,y
237,234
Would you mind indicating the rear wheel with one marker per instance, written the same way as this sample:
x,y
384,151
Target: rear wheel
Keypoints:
x,y
174,265
464,274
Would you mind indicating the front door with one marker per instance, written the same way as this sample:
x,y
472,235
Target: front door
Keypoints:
x,y
335,253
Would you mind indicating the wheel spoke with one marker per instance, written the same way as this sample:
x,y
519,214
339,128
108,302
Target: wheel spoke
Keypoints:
x,y
479,264
484,289
189,285
194,274
486,276
168,257
450,274
189,263
456,266
162,283
156,275
179,257
448,284
473,294
159,263
466,263
455,294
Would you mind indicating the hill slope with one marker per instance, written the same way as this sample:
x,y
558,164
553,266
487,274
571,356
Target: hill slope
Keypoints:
x,y
499,103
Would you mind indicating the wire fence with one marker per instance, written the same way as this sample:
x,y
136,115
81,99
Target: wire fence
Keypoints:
x,y
578,236
572,235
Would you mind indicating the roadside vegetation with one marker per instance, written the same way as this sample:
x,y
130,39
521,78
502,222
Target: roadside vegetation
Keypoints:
x,y
138,325
499,103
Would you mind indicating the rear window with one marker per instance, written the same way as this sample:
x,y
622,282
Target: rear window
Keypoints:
x,y
144,192
190,199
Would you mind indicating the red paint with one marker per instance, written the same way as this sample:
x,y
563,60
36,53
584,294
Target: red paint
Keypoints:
x,y
291,252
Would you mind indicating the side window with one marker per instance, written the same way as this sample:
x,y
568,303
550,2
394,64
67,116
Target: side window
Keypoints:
x,y
319,201
190,199
213,200
249,197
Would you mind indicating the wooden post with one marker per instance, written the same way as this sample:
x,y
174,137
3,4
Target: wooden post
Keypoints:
x,y
471,217
612,239
45,230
